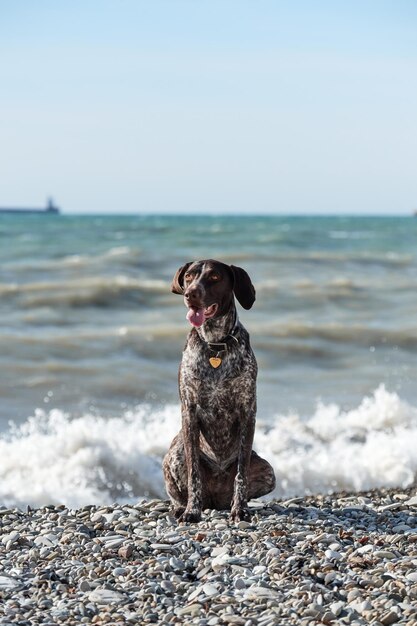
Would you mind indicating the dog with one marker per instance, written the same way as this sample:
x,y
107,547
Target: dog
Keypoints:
x,y
210,463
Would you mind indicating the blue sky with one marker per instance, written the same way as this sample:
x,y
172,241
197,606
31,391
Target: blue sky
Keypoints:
x,y
209,106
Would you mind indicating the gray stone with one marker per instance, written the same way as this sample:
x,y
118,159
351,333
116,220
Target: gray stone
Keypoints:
x,y
390,617
333,555
162,547
120,571
190,609
112,542
384,554
84,586
46,540
210,590
8,582
260,593
176,564
337,607
106,596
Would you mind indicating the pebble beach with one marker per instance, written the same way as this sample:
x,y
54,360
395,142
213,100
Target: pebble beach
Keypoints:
x,y
341,558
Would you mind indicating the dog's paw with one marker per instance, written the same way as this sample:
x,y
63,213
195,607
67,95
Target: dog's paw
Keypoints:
x,y
239,514
178,511
190,515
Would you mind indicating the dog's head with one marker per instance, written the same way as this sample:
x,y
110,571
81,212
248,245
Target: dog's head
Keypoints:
x,y
208,288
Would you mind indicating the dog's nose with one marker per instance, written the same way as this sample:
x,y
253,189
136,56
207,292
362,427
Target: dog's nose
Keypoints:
x,y
192,294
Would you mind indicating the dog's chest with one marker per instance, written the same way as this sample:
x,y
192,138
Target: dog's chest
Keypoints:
x,y
219,414
214,366
219,393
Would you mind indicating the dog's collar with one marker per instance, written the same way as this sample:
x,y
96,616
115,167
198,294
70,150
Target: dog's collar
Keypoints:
x,y
221,346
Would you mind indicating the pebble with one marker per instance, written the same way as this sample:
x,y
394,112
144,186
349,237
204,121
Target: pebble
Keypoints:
x,y
384,554
219,551
412,577
84,586
333,555
353,595
210,590
400,528
46,540
336,608
7,582
176,563
161,547
243,525
239,583
113,541
260,593
366,548
390,617
105,596
189,609
119,571
10,538
343,558
125,552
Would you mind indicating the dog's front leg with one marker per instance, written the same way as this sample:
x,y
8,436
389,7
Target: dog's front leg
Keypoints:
x,y
191,435
239,509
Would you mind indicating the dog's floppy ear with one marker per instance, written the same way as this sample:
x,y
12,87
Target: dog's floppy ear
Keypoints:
x,y
177,285
243,288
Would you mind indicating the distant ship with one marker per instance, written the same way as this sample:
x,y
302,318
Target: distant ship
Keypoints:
x,y
50,209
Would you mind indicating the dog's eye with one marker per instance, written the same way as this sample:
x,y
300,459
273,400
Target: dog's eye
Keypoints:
x,y
188,277
214,277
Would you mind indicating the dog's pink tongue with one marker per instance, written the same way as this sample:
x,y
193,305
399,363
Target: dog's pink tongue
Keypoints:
x,y
195,317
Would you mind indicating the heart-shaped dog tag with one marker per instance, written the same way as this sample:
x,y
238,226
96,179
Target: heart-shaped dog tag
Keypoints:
x,y
215,361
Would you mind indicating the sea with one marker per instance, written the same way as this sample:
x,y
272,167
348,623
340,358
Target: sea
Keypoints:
x,y
91,338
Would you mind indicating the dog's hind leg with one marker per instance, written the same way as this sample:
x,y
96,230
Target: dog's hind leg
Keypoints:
x,y
261,477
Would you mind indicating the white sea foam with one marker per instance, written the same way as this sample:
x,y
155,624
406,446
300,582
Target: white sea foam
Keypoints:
x,y
54,459
371,446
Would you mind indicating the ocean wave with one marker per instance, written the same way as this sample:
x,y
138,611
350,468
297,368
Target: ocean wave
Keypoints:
x,y
359,289
352,234
282,256
367,447
121,255
90,291
384,259
304,286
356,334
101,291
52,459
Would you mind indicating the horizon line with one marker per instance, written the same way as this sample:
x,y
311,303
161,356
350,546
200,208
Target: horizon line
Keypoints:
x,y
227,214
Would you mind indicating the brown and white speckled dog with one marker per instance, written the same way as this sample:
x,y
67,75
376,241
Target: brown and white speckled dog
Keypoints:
x,y
210,463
